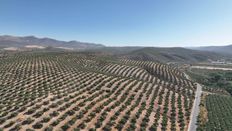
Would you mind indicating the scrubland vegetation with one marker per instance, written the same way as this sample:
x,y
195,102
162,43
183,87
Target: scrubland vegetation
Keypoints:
x,y
216,81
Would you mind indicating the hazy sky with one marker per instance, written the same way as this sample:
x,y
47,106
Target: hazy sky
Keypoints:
x,y
121,22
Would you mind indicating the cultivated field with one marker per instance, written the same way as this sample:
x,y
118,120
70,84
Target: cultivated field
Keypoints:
x,y
218,113
83,91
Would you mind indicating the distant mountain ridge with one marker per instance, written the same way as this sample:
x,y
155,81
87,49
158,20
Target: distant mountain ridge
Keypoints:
x,y
162,54
172,54
219,49
20,42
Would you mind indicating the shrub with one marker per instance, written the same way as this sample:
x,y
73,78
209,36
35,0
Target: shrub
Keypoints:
x,y
37,125
9,124
82,125
27,121
48,128
76,129
2,120
54,114
92,129
45,119
65,127
55,123
30,111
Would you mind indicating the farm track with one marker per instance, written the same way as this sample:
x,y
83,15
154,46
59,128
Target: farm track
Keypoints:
x,y
195,110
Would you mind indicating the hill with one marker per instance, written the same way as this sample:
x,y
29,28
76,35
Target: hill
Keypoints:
x,y
13,42
116,50
175,54
79,91
219,49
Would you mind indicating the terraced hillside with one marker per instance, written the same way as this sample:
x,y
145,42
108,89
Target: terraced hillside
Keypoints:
x,y
77,91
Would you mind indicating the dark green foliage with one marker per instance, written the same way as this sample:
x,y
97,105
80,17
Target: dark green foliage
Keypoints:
x,y
219,113
37,125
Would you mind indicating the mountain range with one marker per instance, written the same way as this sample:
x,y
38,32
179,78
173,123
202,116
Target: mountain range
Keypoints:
x,y
172,54
34,42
